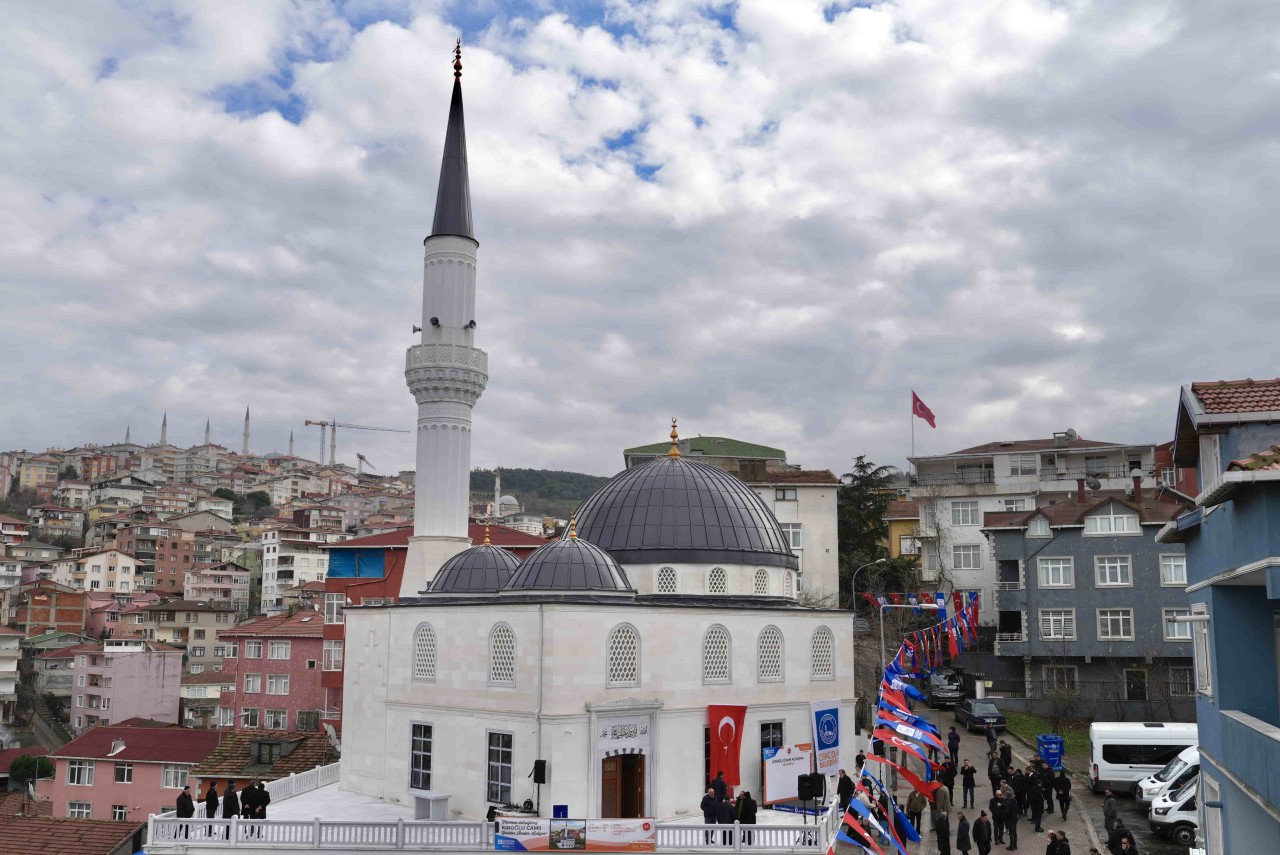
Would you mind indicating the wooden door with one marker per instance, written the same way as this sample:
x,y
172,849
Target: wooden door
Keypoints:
x,y
611,788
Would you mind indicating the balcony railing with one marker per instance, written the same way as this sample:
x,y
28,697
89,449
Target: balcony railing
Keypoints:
x,y
1011,637
1016,585
1251,749
1108,471
977,476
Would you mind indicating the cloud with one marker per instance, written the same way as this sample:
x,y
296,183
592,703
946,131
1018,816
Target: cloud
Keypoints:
x,y
772,220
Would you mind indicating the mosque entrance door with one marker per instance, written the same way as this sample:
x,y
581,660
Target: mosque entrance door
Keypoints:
x,y
622,786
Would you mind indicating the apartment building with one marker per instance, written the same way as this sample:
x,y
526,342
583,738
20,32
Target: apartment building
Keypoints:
x,y
164,552
72,494
291,556
9,655
109,570
277,672
954,491
39,471
196,627
201,699
53,520
13,530
120,678
224,582
34,608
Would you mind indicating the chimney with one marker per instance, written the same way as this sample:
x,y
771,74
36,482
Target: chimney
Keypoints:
x,y
1137,486
1080,490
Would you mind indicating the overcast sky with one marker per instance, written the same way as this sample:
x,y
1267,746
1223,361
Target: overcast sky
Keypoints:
x,y
771,219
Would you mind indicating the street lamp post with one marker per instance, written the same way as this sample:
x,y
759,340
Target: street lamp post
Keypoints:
x,y
853,581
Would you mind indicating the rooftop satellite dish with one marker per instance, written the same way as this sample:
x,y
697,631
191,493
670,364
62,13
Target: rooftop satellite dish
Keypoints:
x,y
1071,433
333,737
1093,483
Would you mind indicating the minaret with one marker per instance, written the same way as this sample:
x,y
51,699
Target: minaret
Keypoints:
x,y
164,430
446,372
497,492
127,430
291,443
207,431
244,450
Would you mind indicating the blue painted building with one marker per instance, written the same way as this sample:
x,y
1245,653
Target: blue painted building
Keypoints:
x,y
1230,431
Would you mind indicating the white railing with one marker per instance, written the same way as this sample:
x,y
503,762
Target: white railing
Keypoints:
x,y
1011,636
1009,586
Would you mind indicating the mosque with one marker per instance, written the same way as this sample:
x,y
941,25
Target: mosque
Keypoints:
x,y
580,676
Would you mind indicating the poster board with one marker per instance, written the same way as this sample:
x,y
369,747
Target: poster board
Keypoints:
x,y
576,835
782,770
825,716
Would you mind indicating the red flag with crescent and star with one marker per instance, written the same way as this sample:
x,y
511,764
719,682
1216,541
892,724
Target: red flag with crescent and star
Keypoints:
x,y
726,724
919,410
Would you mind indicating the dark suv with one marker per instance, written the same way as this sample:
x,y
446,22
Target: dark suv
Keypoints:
x,y
944,689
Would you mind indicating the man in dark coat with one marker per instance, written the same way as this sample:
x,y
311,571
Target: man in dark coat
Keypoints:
x,y
968,784
249,805
942,827
230,804
982,833
1062,789
996,806
211,803
1120,832
990,733
719,787
747,816
963,843
1006,754
995,770
844,789
948,778
1046,780
1036,804
708,807
860,760
264,799
186,808
1021,788
725,816
1011,814
953,746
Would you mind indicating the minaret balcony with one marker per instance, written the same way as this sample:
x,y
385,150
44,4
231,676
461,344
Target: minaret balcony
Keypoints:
x,y
446,372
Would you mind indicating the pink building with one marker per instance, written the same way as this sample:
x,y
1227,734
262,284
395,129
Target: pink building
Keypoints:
x,y
126,771
13,530
277,672
122,678
111,613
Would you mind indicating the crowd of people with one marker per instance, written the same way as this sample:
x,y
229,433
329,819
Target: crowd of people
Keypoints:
x,y
250,803
719,809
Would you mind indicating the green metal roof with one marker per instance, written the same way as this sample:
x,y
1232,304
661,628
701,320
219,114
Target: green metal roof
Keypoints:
x,y
715,446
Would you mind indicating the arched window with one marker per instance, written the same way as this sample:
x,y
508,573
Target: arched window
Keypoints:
x,y
667,580
717,581
769,655
424,652
820,666
762,581
715,655
502,655
623,665
790,582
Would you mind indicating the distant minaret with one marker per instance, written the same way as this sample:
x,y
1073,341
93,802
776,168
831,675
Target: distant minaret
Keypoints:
x,y
207,433
291,443
497,491
446,372
244,451
127,440
164,429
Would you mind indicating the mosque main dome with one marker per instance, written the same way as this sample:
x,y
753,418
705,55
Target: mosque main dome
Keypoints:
x,y
675,510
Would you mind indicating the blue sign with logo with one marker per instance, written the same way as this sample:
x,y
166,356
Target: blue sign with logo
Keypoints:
x,y
826,735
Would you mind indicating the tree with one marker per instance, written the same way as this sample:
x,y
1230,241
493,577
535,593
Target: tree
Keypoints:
x,y
30,766
69,473
259,499
225,493
861,502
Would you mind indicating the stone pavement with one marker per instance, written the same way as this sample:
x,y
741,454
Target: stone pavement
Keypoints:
x,y
973,747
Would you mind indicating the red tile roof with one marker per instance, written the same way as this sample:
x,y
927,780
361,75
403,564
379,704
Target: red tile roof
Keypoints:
x,y
69,651
1268,459
903,509
4,630
13,804
1013,446
1238,396
209,678
63,836
147,743
499,535
795,476
8,755
1073,513
307,624
235,758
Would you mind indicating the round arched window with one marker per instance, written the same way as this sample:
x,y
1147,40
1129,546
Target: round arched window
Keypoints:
x,y
820,664
424,653
762,581
502,655
715,655
769,655
717,581
667,580
623,666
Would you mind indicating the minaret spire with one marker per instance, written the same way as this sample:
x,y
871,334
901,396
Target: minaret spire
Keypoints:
x,y
291,443
127,429
164,429
453,195
446,372
244,451
207,430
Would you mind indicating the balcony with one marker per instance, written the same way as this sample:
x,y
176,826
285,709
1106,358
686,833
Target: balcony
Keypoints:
x,y
1251,749
974,476
1011,637
1113,470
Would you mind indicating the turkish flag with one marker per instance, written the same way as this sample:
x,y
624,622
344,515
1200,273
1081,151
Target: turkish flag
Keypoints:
x,y
726,724
919,410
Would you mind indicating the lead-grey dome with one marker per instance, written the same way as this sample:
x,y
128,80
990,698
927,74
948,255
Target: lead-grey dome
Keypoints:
x,y
480,568
678,510
571,564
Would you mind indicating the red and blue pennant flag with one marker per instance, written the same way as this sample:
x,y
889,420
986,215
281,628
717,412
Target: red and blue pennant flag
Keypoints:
x,y
868,819
927,788
890,737
888,720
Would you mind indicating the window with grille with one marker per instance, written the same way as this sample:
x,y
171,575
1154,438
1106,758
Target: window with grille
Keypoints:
x,y
1115,624
502,655
715,655
424,653
1112,571
717,581
1056,573
499,778
667,580
1173,570
965,513
769,655
309,720
820,664
762,581
1058,624
789,580
1062,678
420,757
623,666
1180,682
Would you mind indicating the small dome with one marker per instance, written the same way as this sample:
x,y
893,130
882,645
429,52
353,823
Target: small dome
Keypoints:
x,y
571,564
480,568
508,500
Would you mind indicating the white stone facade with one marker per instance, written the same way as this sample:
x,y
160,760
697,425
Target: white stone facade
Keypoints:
x,y
817,541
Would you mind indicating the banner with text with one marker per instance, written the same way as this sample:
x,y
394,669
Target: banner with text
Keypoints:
x,y
519,834
782,770
826,734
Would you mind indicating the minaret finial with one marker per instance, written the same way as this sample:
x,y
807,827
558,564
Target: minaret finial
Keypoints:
x,y
457,60
573,525
674,450
486,535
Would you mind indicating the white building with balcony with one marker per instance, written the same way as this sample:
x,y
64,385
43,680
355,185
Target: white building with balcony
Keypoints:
x,y
955,490
9,654
293,556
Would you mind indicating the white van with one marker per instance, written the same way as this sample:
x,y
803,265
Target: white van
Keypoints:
x,y
1174,814
1170,779
1123,753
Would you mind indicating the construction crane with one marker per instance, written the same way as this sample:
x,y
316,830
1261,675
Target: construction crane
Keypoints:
x,y
362,462
332,426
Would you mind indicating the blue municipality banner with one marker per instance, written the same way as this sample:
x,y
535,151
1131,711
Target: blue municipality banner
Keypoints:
x,y
826,735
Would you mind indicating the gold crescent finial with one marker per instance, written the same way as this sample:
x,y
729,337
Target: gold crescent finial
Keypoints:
x,y
457,60
674,450
573,525
486,535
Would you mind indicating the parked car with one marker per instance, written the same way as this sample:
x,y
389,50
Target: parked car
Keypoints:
x,y
976,714
1169,779
1174,815
944,689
